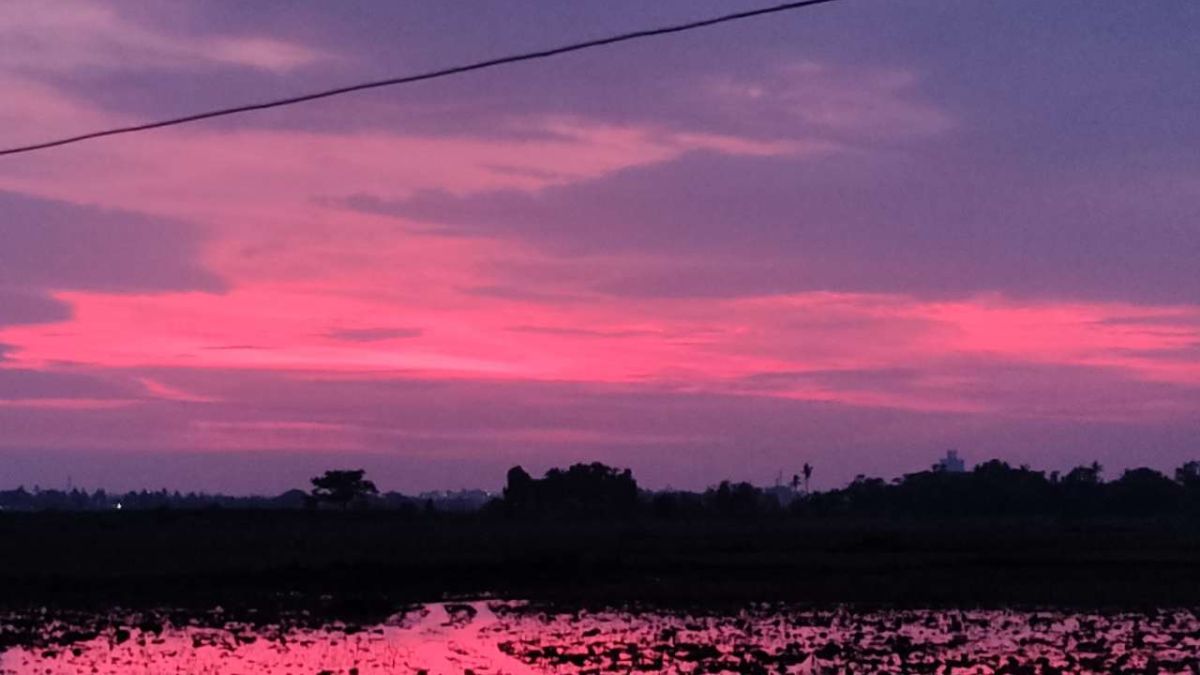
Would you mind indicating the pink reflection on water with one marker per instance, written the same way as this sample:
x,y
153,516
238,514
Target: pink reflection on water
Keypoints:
x,y
499,637
438,638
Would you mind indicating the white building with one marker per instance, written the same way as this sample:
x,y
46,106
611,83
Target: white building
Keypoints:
x,y
951,463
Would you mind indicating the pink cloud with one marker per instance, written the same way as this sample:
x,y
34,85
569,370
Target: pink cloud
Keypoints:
x,y
80,36
693,346
66,403
854,103
559,281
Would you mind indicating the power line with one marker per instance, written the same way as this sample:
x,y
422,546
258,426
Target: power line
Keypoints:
x,y
444,72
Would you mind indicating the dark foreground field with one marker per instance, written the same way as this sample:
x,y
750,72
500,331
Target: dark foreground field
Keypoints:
x,y
359,559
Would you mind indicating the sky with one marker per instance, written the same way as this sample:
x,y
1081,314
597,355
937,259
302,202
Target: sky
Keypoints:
x,y
853,235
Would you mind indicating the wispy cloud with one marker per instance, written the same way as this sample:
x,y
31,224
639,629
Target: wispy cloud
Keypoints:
x,y
68,37
784,243
373,334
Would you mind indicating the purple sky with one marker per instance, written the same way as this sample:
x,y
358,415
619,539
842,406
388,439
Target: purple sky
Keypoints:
x,y
853,235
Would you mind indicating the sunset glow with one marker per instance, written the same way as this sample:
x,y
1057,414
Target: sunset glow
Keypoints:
x,y
712,257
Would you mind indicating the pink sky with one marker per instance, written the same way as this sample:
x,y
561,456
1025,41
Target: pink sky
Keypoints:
x,y
697,262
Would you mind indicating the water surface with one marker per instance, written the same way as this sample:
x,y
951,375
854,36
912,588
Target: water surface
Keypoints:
x,y
505,637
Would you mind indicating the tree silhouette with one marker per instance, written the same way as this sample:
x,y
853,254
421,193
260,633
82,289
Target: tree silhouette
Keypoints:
x,y
1188,475
1085,475
342,487
992,489
582,489
735,499
1144,492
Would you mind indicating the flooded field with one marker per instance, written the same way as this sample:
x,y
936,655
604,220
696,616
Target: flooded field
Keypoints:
x,y
505,637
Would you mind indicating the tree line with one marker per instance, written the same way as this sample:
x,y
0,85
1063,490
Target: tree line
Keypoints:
x,y
995,488
992,489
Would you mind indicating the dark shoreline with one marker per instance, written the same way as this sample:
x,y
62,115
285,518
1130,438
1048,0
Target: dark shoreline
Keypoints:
x,y
367,562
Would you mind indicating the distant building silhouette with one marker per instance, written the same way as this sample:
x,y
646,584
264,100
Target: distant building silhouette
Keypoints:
x,y
457,501
951,463
784,494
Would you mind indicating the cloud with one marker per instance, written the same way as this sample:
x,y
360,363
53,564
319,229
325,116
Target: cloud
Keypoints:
x,y
708,256
994,386
409,432
848,222
25,308
56,245
373,334
522,294
260,52
850,105
17,384
78,36
1188,353
569,331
